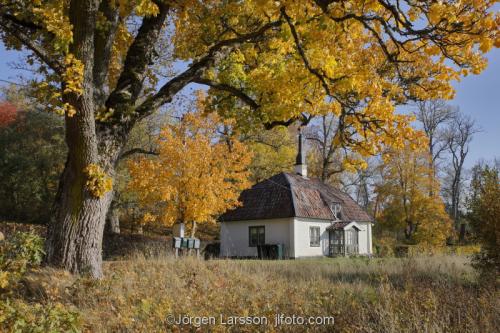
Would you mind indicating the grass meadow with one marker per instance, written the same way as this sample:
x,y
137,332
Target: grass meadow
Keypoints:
x,y
421,294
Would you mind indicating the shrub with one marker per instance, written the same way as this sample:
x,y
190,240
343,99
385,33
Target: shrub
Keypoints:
x,y
19,316
33,154
19,254
384,246
484,206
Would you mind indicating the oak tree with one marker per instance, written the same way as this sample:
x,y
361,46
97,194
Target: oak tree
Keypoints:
x,y
278,60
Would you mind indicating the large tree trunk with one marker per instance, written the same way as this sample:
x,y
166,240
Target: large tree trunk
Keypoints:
x,y
75,232
74,239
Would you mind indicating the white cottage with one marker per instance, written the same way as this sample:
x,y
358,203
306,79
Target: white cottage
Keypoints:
x,y
310,218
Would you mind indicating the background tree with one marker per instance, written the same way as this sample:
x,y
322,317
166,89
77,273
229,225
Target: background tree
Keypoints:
x,y
326,160
484,214
196,176
404,204
8,113
335,163
458,137
434,115
142,140
31,159
96,61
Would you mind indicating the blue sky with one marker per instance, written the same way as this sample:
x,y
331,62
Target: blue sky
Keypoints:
x,y
477,95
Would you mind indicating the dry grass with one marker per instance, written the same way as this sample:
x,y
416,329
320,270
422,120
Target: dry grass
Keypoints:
x,y
432,294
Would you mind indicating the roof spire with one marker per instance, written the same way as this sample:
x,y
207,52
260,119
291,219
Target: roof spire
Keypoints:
x,y
300,161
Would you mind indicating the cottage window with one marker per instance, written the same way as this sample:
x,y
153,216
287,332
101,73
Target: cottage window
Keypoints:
x,y
337,211
256,235
314,236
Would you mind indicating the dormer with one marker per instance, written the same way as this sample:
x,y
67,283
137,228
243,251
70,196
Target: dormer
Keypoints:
x,y
336,209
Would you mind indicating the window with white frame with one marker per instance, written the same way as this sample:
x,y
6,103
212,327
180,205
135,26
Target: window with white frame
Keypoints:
x,y
314,236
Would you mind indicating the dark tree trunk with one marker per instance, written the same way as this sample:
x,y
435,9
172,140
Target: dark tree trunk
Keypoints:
x,y
409,230
74,235
461,236
455,200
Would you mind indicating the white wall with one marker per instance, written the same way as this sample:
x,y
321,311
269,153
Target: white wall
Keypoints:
x,y
234,236
301,238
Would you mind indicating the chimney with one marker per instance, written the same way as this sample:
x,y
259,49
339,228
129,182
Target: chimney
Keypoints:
x,y
300,161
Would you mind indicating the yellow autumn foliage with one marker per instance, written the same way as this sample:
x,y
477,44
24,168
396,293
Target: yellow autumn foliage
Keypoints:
x,y
98,182
358,82
359,55
408,201
197,175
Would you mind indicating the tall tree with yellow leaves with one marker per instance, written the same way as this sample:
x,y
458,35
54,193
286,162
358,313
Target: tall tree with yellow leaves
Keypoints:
x,y
279,61
197,175
404,204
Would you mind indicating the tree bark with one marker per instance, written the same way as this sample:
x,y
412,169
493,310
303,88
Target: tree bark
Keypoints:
x,y
74,239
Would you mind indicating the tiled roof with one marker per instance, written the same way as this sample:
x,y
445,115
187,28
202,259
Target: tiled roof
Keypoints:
x,y
291,195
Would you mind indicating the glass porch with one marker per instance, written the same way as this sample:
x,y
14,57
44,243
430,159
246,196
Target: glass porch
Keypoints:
x,y
343,242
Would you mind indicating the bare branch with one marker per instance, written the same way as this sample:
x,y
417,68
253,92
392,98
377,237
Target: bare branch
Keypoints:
x,y
134,151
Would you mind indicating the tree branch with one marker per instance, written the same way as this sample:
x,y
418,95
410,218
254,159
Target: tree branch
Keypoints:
x,y
230,89
12,28
133,151
103,42
303,119
195,70
25,24
302,53
138,59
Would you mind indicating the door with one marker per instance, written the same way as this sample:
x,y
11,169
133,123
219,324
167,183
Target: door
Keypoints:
x,y
352,241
